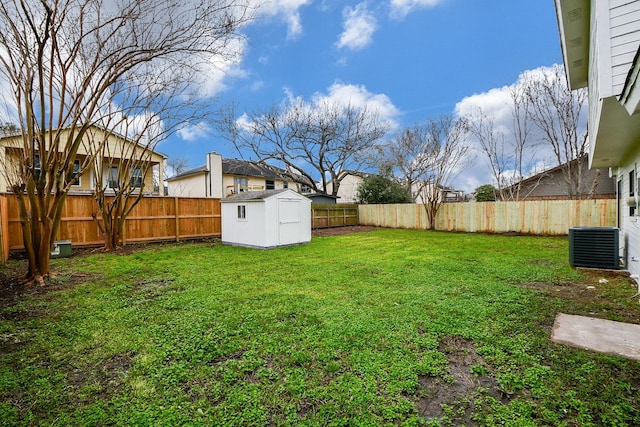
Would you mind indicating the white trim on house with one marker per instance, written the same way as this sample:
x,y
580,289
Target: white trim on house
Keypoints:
x,y
613,39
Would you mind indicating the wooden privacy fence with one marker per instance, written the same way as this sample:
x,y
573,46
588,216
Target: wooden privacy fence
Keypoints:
x,y
336,215
545,217
153,219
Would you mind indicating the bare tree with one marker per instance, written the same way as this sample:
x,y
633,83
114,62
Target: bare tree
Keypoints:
x,y
175,166
71,64
493,145
557,112
428,156
508,152
122,169
407,155
316,141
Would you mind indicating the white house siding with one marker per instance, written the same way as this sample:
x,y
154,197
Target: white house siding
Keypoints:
x,y
624,19
348,190
630,225
253,184
192,186
612,49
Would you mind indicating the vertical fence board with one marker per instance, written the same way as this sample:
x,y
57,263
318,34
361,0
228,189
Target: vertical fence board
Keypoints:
x,y
546,217
152,219
4,228
336,215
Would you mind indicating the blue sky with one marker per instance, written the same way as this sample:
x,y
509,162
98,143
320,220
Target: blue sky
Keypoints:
x,y
413,59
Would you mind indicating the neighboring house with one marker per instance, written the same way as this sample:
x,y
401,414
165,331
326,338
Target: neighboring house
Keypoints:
x,y
348,190
11,150
445,194
220,178
551,185
600,41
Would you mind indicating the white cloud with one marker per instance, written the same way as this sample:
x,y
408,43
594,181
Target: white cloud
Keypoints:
x,y
214,72
497,103
286,10
194,131
401,8
358,96
359,26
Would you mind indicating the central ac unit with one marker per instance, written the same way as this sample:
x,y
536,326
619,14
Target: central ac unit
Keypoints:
x,y
594,247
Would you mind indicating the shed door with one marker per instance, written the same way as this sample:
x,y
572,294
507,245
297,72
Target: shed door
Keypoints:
x,y
289,221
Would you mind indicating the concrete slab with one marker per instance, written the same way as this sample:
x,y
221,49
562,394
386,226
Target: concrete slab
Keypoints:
x,y
605,336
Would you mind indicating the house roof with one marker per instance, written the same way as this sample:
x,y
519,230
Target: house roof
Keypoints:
x,y
6,135
195,171
605,185
257,195
247,168
250,168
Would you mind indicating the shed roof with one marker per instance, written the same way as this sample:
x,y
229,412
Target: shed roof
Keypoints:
x,y
257,195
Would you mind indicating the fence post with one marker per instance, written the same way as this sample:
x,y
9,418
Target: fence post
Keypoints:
x,y
176,206
4,229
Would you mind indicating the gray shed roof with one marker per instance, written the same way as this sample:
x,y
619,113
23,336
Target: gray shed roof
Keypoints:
x,y
253,195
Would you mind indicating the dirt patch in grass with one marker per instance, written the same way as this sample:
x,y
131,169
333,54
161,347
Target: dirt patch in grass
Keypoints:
x,y
598,293
101,380
13,289
453,394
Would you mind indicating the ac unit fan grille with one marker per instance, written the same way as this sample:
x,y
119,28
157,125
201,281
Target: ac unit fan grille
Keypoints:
x,y
594,247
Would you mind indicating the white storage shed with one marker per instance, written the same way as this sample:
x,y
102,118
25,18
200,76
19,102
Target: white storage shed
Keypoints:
x,y
266,219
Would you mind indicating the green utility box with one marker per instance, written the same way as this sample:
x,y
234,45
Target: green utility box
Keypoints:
x,y
61,249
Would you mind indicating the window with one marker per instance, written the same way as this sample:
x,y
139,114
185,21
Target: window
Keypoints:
x,y
632,181
136,178
112,177
304,189
240,184
285,184
242,212
75,177
36,166
270,185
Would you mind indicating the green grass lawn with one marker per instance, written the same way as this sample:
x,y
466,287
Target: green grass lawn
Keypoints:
x,y
391,327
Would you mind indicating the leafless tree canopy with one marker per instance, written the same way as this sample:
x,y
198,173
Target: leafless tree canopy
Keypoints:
x,y
175,166
71,64
556,111
427,156
546,117
509,152
317,141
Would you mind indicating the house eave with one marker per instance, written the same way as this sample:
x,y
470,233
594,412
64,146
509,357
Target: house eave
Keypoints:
x,y
630,96
614,135
573,24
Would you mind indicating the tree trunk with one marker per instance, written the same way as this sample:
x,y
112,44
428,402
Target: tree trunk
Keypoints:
x,y
431,209
38,233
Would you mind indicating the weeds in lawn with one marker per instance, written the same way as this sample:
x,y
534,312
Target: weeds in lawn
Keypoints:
x,y
393,327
